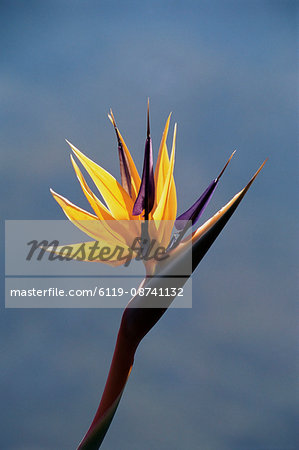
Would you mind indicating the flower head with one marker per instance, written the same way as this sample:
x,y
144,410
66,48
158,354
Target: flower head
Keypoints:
x,y
143,207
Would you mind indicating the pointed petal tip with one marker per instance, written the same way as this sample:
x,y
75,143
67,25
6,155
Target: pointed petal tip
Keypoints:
x,y
227,163
168,119
71,145
262,165
74,149
111,118
148,120
256,174
238,197
53,192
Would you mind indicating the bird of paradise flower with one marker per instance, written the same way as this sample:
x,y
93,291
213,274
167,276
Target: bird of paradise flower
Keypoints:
x,y
145,207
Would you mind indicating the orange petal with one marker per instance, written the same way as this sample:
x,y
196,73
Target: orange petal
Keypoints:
x,y
87,222
165,212
118,201
162,165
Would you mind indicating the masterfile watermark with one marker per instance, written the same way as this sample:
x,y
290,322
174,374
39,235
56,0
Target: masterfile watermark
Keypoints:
x,y
140,250
58,248
53,264
96,293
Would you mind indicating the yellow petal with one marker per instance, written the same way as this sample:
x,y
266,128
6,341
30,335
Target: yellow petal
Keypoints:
x,y
118,201
114,227
99,208
86,222
162,165
170,214
165,213
159,213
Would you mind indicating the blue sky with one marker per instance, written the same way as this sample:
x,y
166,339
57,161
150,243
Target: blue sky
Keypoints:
x,y
219,376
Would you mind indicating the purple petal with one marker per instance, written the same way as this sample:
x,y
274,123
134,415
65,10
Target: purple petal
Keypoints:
x,y
146,195
123,161
124,170
197,209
